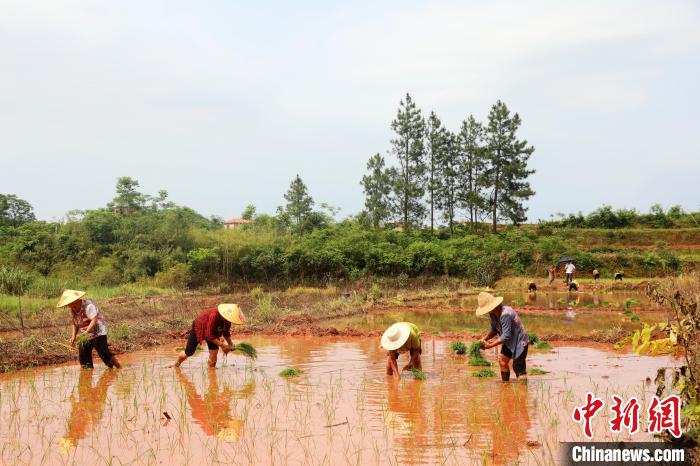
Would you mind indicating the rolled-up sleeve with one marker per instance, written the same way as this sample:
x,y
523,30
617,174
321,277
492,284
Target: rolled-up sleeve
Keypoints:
x,y
506,328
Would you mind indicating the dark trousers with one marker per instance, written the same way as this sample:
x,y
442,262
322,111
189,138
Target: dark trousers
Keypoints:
x,y
100,344
569,278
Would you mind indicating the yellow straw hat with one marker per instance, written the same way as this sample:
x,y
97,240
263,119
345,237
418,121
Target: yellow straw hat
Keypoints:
x,y
69,296
232,431
232,313
395,336
487,303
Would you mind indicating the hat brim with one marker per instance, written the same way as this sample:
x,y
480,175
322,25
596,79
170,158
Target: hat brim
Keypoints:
x,y
232,313
480,311
69,296
389,345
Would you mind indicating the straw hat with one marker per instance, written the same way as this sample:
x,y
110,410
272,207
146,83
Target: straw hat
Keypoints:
x,y
395,336
232,313
69,296
232,431
487,303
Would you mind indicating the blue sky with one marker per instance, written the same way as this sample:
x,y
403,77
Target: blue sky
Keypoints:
x,y
222,103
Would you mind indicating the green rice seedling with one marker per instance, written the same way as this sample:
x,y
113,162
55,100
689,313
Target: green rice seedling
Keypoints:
x,y
475,349
473,361
123,332
82,340
458,347
290,372
627,312
543,345
634,318
532,338
418,374
247,349
484,373
536,371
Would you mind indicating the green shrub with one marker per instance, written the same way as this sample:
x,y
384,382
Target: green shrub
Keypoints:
x,y
177,276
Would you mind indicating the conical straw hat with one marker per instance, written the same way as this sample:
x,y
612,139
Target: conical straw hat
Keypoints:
x,y
232,313
487,303
69,296
395,336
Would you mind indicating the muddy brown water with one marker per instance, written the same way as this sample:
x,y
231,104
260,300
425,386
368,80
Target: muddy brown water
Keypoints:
x,y
576,325
247,414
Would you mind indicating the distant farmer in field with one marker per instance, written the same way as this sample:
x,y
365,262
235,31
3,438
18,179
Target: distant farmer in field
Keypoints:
x,y
552,271
214,326
573,286
506,324
402,337
596,274
569,269
619,275
532,287
89,329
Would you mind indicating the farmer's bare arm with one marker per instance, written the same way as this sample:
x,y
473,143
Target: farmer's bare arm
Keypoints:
x,y
225,343
488,336
493,343
394,367
75,333
92,324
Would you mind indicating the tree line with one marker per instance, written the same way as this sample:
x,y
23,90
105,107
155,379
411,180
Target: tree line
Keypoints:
x,y
434,174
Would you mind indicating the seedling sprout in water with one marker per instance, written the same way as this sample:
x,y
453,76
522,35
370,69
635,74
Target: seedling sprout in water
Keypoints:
x,y
484,373
458,347
290,372
247,349
475,356
418,374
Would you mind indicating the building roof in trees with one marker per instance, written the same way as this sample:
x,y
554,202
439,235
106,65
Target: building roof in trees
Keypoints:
x,y
237,221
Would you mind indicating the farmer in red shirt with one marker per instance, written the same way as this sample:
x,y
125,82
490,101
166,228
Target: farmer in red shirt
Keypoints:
x,y
214,326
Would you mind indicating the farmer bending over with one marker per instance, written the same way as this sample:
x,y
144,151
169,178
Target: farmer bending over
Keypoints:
x,y
573,286
402,337
88,320
505,323
214,326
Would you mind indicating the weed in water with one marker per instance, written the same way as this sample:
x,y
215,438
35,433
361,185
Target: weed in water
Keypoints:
x,y
459,347
290,372
537,371
418,374
484,373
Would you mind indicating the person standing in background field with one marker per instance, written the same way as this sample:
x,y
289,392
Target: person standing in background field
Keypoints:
x,y
87,319
552,270
596,274
569,269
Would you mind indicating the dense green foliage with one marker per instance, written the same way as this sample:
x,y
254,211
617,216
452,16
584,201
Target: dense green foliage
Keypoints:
x,y
607,217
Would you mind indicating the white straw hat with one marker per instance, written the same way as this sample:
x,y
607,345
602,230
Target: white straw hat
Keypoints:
x,y
395,336
487,303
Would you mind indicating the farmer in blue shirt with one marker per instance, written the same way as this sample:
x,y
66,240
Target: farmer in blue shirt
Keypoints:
x,y
506,324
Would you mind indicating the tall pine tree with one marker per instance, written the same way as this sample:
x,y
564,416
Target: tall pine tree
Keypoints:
x,y
407,146
507,172
449,164
436,142
299,202
377,186
474,160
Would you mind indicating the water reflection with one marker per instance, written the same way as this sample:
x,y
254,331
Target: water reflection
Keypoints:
x,y
212,412
87,409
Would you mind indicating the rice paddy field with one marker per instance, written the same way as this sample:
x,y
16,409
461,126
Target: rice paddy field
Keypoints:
x,y
339,407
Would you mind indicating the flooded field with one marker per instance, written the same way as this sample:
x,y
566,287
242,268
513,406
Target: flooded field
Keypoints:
x,y
552,299
341,410
574,325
